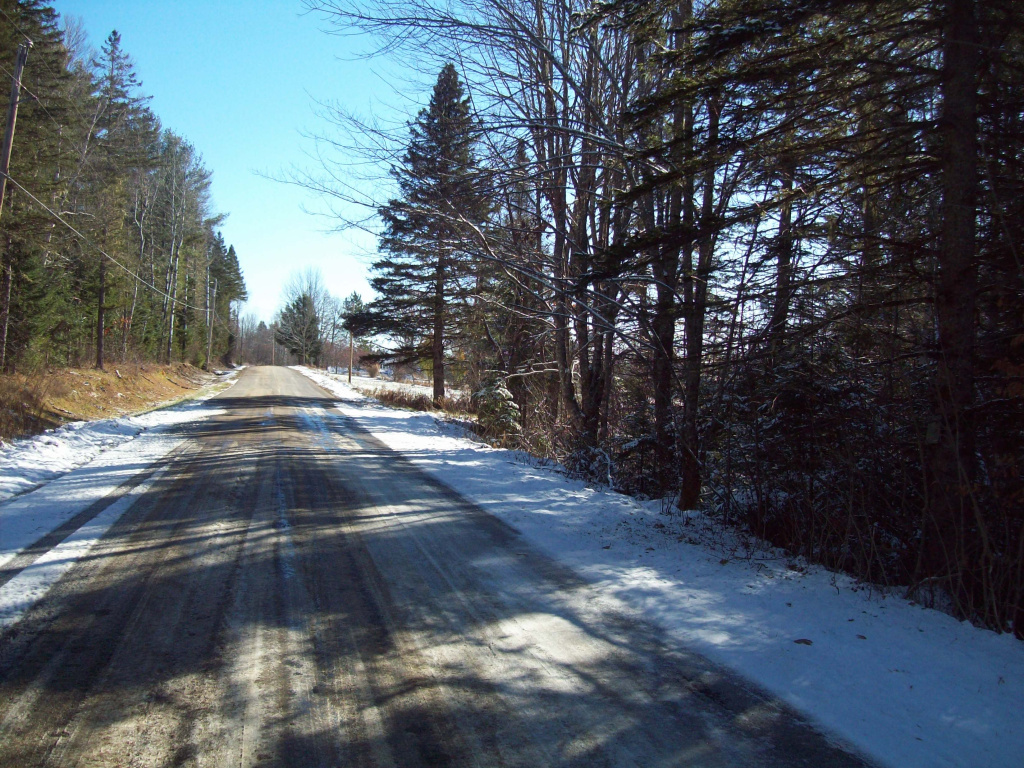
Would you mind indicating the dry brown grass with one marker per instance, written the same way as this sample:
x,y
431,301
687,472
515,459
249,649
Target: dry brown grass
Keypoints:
x,y
23,408
417,401
33,402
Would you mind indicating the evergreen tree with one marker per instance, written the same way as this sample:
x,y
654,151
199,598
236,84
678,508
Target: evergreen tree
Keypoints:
x,y
125,137
423,279
27,298
225,286
299,329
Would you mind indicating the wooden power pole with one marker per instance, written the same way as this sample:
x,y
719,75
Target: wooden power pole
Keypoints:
x,y
12,117
5,166
210,319
351,345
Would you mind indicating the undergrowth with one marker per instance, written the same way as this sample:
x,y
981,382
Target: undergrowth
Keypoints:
x,y
23,399
418,401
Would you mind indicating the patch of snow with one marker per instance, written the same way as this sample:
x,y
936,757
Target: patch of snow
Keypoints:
x,y
910,687
367,384
31,584
106,453
27,463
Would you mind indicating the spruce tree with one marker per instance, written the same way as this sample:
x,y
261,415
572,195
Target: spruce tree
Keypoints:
x,y
226,286
299,329
27,296
425,272
125,137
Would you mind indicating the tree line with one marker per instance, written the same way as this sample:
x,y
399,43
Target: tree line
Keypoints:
x,y
109,244
311,328
758,255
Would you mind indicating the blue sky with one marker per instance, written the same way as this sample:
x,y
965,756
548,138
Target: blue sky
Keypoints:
x,y
238,78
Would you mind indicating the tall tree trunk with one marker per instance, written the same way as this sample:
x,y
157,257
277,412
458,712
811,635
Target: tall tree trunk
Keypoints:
x,y
784,264
695,297
172,303
437,343
952,433
101,312
663,331
140,224
665,270
550,145
183,334
609,382
128,321
5,310
560,320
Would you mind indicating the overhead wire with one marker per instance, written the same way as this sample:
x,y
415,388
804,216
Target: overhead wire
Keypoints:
x,y
70,101
174,301
15,25
10,74
38,100
29,39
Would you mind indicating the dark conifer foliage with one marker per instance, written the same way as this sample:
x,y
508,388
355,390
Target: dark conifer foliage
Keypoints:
x,y
134,280
761,256
26,310
298,329
426,276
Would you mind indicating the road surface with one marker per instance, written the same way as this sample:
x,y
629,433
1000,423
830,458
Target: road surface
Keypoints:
x,y
291,592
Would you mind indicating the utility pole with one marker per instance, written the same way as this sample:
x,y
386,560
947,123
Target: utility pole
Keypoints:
x,y
5,166
350,350
210,319
12,117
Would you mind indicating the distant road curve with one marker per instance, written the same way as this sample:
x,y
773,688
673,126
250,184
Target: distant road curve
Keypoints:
x,y
291,592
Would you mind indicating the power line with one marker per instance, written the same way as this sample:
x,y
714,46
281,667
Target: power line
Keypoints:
x,y
22,33
45,66
38,101
87,241
21,80
15,25
174,301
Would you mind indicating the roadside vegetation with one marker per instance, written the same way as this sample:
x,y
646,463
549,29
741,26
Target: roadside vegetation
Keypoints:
x,y
115,282
110,250
756,257
419,401
32,403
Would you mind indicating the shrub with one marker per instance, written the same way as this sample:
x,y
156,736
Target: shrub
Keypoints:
x,y
497,413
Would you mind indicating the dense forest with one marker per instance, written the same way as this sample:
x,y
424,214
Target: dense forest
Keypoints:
x,y
109,246
757,255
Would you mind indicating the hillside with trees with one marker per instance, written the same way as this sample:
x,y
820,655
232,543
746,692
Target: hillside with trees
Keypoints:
x,y
761,256
109,244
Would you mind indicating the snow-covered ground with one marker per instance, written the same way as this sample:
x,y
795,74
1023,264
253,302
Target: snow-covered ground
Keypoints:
x,y
25,464
107,454
909,686
367,384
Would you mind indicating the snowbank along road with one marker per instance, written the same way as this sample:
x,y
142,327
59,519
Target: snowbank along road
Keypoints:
x,y
288,591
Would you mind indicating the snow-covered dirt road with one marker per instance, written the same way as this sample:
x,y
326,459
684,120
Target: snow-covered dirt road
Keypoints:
x,y
286,590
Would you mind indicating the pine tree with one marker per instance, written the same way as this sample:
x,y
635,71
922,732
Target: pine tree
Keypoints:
x,y
125,135
423,280
299,329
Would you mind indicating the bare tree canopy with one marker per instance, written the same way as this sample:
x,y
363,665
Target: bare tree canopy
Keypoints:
x,y
763,256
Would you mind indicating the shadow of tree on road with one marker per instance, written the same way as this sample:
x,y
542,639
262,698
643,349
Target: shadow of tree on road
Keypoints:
x,y
291,592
